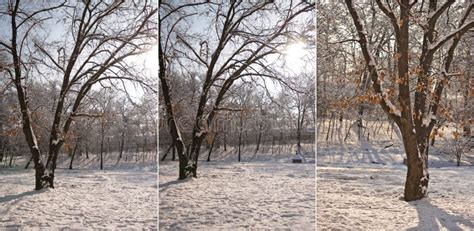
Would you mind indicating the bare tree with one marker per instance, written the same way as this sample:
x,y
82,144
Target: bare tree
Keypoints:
x,y
237,50
104,35
415,118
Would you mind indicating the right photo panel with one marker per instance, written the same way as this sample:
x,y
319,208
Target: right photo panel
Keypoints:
x,y
395,115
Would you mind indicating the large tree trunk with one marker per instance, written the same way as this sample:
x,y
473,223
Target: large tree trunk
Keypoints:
x,y
40,178
55,139
416,184
417,178
30,136
195,151
173,126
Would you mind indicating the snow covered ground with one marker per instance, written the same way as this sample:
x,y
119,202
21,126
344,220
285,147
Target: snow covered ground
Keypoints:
x,y
369,197
268,192
123,196
360,187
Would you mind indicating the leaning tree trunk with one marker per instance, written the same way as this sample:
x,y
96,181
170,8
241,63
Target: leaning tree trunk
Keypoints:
x,y
212,146
30,136
40,178
173,126
27,164
166,152
73,154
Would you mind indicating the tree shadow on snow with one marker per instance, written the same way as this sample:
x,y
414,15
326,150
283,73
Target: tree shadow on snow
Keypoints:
x,y
431,217
162,187
8,198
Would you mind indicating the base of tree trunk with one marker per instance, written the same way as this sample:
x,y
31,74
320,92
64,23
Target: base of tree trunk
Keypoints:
x,y
182,169
413,193
416,186
43,181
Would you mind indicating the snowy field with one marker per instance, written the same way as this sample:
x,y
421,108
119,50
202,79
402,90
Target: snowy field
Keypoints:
x,y
360,187
268,192
369,197
123,196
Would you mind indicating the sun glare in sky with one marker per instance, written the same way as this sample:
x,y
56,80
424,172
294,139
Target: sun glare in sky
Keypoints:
x,y
149,62
151,59
294,56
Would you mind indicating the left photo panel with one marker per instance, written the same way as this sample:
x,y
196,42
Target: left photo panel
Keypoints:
x,y
78,114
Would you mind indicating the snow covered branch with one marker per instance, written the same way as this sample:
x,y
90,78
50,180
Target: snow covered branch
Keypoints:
x,y
386,104
457,33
